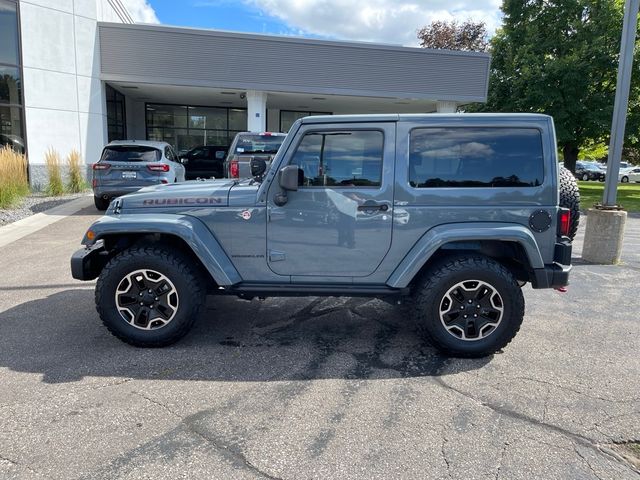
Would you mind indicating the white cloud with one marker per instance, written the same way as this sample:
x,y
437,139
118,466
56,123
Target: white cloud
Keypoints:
x,y
386,21
141,11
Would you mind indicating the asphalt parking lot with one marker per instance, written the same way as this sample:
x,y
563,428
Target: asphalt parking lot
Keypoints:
x,y
312,388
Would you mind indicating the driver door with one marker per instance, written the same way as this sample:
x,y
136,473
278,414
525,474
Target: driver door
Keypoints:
x,y
339,221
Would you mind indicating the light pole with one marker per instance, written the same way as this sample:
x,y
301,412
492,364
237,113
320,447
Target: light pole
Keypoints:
x,y
621,104
605,223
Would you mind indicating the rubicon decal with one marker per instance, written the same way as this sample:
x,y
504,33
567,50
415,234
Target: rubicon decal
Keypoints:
x,y
183,201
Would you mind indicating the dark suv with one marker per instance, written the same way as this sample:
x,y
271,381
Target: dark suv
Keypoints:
x,y
205,161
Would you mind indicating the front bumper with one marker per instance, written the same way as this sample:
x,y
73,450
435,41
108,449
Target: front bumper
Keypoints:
x,y
87,262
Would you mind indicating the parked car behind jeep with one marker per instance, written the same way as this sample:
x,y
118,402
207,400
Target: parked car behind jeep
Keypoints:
x,y
248,146
629,175
589,171
126,166
205,161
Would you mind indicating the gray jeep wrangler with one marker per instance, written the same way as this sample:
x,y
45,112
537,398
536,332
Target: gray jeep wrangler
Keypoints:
x,y
448,214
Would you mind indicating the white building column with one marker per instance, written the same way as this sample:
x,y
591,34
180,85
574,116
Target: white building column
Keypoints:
x,y
256,111
446,106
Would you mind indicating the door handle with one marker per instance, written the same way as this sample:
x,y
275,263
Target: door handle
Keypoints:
x,y
371,207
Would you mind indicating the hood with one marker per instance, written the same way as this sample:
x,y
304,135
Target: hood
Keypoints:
x,y
192,193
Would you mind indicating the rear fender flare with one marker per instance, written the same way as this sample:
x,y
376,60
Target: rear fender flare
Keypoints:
x,y
441,235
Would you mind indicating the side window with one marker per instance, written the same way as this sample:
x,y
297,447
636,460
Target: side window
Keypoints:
x,y
169,154
341,158
475,157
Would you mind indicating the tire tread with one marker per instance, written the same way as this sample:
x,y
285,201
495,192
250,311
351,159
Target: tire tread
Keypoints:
x,y
173,259
438,273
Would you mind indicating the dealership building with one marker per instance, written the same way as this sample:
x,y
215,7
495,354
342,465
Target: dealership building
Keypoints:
x,y
76,74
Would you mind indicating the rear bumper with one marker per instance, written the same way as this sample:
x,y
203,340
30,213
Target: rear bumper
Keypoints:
x,y
112,191
87,263
555,275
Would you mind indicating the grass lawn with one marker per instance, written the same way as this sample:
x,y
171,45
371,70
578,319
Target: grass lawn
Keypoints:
x,y
628,195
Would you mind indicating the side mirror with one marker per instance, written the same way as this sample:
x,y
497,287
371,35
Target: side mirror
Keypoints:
x,y
288,181
258,167
288,178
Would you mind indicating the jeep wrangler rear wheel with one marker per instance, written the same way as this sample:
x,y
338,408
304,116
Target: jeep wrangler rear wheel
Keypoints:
x,y
468,306
149,296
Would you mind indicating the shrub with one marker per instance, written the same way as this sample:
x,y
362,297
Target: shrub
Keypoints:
x,y
76,182
14,184
55,186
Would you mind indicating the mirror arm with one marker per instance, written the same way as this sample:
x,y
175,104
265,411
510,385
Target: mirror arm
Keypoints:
x,y
280,199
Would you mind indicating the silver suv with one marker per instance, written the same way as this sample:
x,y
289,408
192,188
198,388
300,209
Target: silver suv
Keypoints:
x,y
128,165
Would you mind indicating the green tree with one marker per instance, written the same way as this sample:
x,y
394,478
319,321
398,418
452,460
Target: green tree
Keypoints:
x,y
560,57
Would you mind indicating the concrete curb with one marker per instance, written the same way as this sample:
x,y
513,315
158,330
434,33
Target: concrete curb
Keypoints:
x,y
21,228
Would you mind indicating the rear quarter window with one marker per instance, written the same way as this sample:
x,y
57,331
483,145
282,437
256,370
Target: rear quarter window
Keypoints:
x,y
134,153
482,157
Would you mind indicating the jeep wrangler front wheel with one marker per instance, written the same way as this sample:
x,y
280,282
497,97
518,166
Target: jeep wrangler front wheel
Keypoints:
x,y
468,306
149,296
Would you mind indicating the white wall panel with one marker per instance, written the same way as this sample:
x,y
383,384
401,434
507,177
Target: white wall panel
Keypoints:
x,y
64,5
86,51
93,133
86,8
47,89
47,39
51,128
90,95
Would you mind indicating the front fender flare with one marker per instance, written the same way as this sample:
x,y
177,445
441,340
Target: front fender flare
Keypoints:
x,y
439,236
190,229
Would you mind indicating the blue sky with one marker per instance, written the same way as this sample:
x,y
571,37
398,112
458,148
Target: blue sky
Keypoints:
x,y
383,21
223,15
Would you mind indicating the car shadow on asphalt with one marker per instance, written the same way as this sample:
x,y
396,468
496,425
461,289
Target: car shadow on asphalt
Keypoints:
x,y
61,338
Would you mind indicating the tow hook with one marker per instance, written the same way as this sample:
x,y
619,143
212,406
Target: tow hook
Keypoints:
x,y
561,289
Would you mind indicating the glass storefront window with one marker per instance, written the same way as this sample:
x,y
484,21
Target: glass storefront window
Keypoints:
x,y
9,32
207,117
11,128
116,116
237,119
10,85
288,117
186,127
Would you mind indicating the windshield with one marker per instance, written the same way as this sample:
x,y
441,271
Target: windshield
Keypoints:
x,y
259,144
131,153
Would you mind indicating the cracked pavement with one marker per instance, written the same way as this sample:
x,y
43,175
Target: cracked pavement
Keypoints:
x,y
312,388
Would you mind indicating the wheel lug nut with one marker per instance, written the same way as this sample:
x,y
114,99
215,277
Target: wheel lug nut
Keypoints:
x,y
149,290
461,307
475,315
141,303
156,299
140,293
465,316
477,306
470,301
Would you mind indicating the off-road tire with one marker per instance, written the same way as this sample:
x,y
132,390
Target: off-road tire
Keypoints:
x,y
446,273
101,203
570,198
178,268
